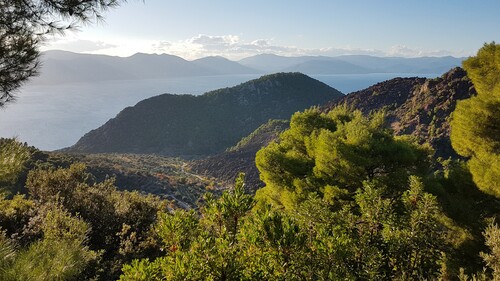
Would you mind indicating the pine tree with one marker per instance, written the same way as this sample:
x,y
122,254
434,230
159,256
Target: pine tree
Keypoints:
x,y
475,128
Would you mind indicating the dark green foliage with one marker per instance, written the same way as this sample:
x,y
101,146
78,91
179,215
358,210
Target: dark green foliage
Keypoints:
x,y
15,160
120,221
261,136
468,207
476,121
184,125
491,258
68,226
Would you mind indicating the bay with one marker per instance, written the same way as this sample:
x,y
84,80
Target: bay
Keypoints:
x,y
51,117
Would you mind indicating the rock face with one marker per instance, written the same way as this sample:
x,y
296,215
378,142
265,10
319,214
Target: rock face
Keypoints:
x,y
193,126
416,106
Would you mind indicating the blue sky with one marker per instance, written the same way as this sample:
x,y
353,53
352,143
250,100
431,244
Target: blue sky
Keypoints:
x,y
236,29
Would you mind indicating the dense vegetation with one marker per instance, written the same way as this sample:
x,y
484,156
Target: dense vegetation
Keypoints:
x,y
66,225
184,125
344,199
167,178
476,121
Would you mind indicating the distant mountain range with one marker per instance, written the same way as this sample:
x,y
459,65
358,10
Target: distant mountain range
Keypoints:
x,y
185,125
66,67
351,64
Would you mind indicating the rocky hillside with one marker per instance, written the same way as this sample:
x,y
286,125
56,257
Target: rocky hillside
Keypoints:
x,y
416,106
241,157
193,126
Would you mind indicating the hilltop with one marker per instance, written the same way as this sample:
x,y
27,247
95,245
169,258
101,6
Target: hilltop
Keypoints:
x,y
193,126
416,106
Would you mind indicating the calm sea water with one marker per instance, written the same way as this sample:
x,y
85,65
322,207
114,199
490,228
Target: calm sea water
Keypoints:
x,y
55,116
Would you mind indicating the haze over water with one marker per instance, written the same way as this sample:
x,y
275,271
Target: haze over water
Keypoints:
x,y
51,117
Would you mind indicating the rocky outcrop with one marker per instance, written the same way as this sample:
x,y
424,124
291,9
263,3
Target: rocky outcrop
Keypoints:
x,y
416,106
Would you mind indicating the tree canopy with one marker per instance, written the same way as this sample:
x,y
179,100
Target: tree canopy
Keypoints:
x,y
331,154
475,128
25,24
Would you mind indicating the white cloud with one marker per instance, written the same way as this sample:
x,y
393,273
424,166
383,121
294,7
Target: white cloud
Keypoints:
x,y
230,46
234,47
215,41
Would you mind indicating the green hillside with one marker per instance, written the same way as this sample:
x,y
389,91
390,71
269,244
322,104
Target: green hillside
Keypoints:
x,y
184,125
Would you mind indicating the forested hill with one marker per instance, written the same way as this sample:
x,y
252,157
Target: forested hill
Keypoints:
x,y
416,106
185,125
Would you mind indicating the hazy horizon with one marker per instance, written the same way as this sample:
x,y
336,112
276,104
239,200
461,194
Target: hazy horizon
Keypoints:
x,y
237,29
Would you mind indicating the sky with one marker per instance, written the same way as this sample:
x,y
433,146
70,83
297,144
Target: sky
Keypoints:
x,y
236,29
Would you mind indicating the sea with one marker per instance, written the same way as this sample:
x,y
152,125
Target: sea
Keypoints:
x,y
55,116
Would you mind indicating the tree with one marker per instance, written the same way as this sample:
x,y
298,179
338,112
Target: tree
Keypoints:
x,y
204,247
25,24
492,259
475,128
332,154
120,221
60,255
14,158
